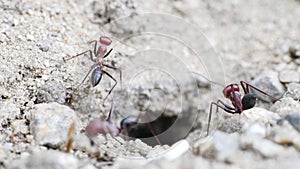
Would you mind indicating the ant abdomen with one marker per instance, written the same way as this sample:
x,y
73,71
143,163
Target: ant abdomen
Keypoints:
x,y
96,76
98,126
249,101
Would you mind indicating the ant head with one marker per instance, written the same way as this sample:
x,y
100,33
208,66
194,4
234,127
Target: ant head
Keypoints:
x,y
128,123
105,40
249,101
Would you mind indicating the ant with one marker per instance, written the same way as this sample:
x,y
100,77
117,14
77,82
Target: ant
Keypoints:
x,y
97,68
107,126
239,104
98,126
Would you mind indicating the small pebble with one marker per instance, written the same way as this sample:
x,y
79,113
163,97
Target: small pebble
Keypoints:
x,y
19,126
270,84
285,106
45,45
288,76
30,37
260,115
9,110
293,91
225,144
264,147
4,93
82,142
220,145
293,119
285,134
255,130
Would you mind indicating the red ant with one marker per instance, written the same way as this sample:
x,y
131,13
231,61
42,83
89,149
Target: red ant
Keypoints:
x,y
98,66
107,126
239,104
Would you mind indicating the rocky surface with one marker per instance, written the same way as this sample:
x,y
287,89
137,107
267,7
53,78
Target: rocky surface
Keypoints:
x,y
175,56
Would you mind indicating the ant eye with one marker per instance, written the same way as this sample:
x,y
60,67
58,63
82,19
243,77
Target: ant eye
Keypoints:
x,y
249,101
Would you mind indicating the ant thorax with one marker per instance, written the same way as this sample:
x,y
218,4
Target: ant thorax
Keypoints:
x,y
228,90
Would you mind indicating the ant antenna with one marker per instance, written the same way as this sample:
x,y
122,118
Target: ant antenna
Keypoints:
x,y
109,118
216,83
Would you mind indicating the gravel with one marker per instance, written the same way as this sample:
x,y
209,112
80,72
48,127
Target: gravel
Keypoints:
x,y
162,58
47,159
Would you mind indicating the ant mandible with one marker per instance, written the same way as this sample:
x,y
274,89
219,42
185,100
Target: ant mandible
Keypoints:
x,y
239,104
98,66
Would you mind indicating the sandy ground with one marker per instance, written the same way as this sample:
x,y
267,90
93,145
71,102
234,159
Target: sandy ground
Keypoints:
x,y
166,50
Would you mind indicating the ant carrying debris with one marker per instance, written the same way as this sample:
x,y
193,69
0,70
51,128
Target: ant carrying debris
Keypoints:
x,y
239,104
98,126
129,127
98,65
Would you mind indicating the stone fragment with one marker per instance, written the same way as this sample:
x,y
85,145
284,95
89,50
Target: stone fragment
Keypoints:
x,y
286,106
255,130
225,144
270,84
260,115
264,147
288,76
294,120
220,145
293,91
50,123
285,134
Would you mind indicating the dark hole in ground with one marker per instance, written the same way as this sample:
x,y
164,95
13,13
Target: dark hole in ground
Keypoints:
x,y
158,126
293,53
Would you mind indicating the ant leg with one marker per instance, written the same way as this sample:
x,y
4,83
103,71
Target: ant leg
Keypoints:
x,y
150,127
229,109
227,106
113,85
153,133
109,118
107,53
117,69
95,46
93,67
246,87
223,106
72,57
236,99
